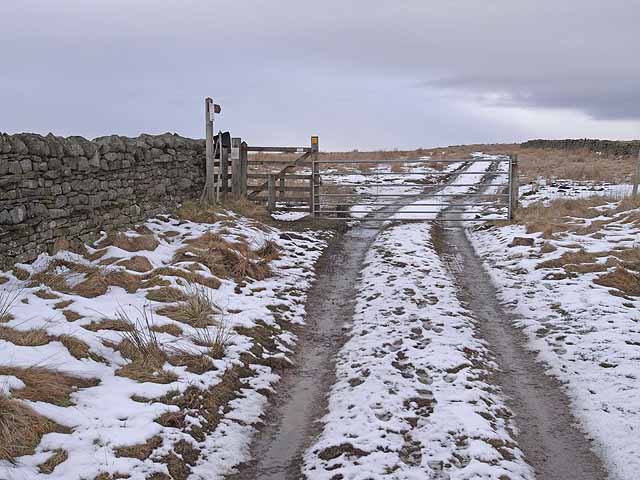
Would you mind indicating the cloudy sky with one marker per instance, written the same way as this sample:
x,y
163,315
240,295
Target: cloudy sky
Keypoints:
x,y
359,73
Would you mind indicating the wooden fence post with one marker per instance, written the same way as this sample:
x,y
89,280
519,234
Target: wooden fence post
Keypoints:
x,y
315,177
271,199
514,187
244,167
282,188
236,175
224,170
636,177
209,191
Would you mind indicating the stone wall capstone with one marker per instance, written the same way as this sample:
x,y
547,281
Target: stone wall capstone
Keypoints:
x,y
53,187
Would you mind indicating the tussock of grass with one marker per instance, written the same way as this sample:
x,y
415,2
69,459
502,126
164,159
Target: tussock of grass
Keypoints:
x,y
25,338
224,259
44,385
216,339
71,316
62,305
621,279
207,405
137,264
557,216
170,328
197,309
130,243
3,280
123,279
45,295
196,362
117,324
21,429
269,251
7,299
79,349
140,345
189,276
166,295
141,451
569,258
59,456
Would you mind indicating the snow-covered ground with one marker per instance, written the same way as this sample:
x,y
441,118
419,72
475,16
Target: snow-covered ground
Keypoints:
x,y
411,399
588,334
120,411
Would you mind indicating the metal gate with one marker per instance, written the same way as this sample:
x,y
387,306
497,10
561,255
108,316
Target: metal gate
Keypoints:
x,y
477,189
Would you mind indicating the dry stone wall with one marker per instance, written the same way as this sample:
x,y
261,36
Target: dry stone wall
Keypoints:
x,y
606,147
53,187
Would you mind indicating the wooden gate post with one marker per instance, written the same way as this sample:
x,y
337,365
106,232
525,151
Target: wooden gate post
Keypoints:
x,y
235,168
271,199
315,177
209,191
224,170
636,177
282,187
514,186
244,167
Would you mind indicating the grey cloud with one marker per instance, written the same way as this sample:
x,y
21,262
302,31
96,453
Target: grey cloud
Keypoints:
x,y
347,70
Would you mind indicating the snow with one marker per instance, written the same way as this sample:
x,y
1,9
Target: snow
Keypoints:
x,y
589,338
105,417
410,392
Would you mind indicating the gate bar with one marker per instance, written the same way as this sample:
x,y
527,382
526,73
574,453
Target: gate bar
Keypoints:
x,y
364,195
359,162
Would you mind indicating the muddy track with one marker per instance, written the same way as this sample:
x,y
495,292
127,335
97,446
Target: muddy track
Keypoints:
x,y
547,433
301,395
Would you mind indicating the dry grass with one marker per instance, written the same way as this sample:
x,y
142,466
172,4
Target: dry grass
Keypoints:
x,y
117,324
570,258
46,295
59,456
7,299
62,305
44,385
621,279
195,361
78,349
140,345
560,215
25,338
216,339
71,316
197,309
224,259
189,276
269,251
141,451
131,243
169,328
166,295
137,264
21,429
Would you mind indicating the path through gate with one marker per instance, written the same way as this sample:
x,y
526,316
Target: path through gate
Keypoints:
x,y
425,189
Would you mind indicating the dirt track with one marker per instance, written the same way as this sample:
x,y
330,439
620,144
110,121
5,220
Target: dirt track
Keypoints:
x,y
547,432
547,435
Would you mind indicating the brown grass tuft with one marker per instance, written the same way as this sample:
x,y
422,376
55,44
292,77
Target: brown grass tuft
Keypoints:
x,y
137,264
170,328
59,456
197,309
131,243
216,339
78,349
21,429
117,324
25,338
166,295
141,451
45,295
62,305
224,259
71,316
7,299
140,345
621,279
189,276
123,279
3,280
94,286
196,362
269,251
44,385
569,258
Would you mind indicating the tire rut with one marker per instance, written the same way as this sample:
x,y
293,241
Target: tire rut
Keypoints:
x,y
548,432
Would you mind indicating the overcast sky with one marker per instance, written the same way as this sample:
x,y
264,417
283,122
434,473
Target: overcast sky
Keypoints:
x,y
359,73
